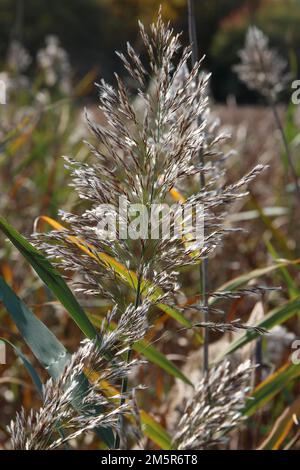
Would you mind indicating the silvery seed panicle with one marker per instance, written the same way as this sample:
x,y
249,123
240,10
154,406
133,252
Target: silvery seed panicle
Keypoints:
x,y
234,326
53,61
215,408
261,68
102,363
18,58
141,155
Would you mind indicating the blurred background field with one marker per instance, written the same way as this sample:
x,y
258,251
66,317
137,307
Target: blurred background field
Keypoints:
x,y
51,54
92,30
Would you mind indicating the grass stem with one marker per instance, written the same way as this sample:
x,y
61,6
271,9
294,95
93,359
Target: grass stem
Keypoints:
x,y
204,265
124,385
286,146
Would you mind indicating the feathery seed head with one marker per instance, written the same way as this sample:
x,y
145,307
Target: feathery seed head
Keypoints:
x,y
261,68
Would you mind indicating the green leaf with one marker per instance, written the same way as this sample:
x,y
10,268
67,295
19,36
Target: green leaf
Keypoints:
x,y
239,281
275,317
276,233
31,370
291,131
292,288
50,276
155,431
269,388
175,314
156,357
42,342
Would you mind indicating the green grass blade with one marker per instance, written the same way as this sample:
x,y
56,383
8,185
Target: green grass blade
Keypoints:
x,y
155,431
156,357
292,288
42,342
240,281
275,317
30,369
269,388
291,131
277,234
51,277
175,314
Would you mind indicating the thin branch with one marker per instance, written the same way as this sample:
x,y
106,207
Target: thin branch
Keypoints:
x,y
204,264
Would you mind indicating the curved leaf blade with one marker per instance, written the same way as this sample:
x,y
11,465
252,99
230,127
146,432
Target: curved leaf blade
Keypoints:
x,y
51,277
239,281
155,431
269,388
156,357
31,370
281,428
42,342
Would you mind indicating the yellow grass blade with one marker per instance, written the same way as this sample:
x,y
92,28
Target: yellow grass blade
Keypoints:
x,y
127,275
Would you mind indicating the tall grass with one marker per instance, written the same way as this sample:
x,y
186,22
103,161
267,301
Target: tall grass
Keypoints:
x,y
147,151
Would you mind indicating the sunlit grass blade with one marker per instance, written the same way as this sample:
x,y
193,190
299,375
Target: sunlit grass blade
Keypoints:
x,y
86,84
281,428
292,288
269,388
160,360
277,234
242,280
155,431
129,277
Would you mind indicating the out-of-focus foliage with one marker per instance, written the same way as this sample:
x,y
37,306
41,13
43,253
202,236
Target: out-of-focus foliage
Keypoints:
x,y
144,8
91,30
279,19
